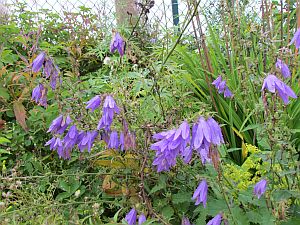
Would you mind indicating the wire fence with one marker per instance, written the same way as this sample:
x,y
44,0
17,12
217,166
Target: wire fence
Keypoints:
x,y
164,14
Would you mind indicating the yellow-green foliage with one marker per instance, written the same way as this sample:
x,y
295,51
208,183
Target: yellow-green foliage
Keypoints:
x,y
250,172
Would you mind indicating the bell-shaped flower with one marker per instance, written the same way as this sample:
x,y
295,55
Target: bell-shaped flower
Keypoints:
x,y
109,109
296,39
38,62
260,188
117,43
221,86
131,217
185,221
39,95
142,219
216,220
87,141
200,194
273,84
71,137
113,142
94,103
59,125
285,71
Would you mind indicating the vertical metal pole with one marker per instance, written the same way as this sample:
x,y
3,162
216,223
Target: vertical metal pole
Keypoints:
x,y
175,12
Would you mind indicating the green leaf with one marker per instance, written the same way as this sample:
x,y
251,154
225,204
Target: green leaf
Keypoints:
x,y
168,212
4,93
181,197
4,140
3,151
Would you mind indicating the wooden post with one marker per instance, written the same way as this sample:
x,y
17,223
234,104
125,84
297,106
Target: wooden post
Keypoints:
x,y
126,12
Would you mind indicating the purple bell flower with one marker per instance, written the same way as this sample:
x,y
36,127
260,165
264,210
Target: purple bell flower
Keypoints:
x,y
56,144
216,220
87,141
131,217
71,137
221,86
285,71
94,103
113,140
38,62
296,39
51,142
117,44
185,221
109,109
142,219
272,83
200,194
39,95
59,125
260,188
122,141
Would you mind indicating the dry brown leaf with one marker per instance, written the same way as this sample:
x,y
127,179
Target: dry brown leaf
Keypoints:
x,y
20,114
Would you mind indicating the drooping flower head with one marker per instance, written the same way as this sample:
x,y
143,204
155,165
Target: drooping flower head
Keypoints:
x,y
216,220
117,43
165,157
260,188
38,62
109,109
113,140
39,95
142,219
285,71
131,217
56,144
87,141
200,194
71,137
185,221
273,84
94,103
59,125
221,86
296,39
204,134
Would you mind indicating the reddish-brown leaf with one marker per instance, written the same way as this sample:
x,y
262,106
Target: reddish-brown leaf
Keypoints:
x,y
20,114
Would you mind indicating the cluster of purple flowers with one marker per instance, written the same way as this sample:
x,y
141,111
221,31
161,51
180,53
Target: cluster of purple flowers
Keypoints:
x,y
63,146
221,86
109,109
273,84
39,93
131,218
205,134
84,140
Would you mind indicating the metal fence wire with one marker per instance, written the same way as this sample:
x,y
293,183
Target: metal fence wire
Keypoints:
x,y
162,13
